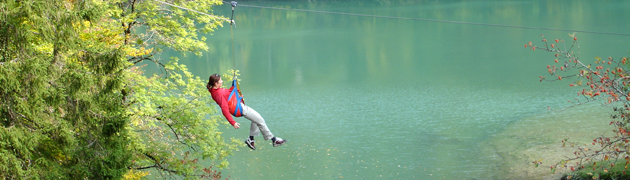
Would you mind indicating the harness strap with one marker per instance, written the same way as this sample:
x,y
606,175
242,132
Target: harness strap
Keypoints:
x,y
238,109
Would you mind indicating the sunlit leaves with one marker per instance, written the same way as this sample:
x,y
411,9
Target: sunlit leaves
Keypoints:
x,y
173,27
172,115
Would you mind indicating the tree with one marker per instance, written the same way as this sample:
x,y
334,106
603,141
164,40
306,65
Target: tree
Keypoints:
x,y
61,108
172,122
606,80
75,102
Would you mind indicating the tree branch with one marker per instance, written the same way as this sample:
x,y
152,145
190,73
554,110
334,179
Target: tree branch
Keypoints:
x,y
159,166
141,168
130,24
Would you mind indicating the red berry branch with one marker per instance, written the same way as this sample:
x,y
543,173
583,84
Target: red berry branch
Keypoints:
x,y
602,79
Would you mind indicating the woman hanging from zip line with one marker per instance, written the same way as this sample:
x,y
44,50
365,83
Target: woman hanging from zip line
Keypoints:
x,y
222,97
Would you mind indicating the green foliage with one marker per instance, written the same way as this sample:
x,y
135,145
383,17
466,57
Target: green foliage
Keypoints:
x,y
74,104
618,171
172,124
172,121
61,110
151,23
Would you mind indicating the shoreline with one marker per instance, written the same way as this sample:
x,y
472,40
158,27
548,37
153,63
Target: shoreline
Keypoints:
x,y
539,137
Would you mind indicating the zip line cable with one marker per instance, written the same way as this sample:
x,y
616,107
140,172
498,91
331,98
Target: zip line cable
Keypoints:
x,y
433,20
232,23
233,3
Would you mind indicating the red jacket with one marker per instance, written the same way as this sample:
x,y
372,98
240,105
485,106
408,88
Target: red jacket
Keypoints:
x,y
220,96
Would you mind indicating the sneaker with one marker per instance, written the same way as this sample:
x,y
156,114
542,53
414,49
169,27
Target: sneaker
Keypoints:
x,y
278,141
250,144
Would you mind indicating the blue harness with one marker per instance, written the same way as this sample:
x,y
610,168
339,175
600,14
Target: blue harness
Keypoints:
x,y
236,108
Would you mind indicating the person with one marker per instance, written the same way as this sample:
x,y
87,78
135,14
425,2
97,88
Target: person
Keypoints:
x,y
221,95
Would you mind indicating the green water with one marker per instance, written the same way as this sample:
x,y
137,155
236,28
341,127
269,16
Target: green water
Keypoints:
x,y
368,98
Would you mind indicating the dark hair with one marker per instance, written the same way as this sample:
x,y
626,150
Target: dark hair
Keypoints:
x,y
213,80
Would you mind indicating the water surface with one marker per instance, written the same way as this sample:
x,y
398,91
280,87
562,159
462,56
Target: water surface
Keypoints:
x,y
365,97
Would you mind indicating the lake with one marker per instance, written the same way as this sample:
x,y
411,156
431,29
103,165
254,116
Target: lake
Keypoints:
x,y
404,89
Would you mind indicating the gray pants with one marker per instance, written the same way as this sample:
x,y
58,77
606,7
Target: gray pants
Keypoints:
x,y
258,123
